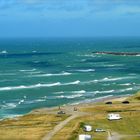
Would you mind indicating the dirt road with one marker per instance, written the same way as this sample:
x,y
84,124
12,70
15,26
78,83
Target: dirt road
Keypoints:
x,y
59,127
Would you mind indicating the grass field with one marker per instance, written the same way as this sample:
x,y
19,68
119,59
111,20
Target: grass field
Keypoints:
x,y
35,126
129,125
29,127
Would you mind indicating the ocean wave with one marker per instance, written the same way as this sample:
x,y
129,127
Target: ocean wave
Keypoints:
x,y
29,87
21,101
35,101
126,84
72,83
106,79
86,70
88,55
9,106
114,79
69,96
38,86
50,74
113,65
92,100
34,72
81,91
103,92
124,90
27,70
3,52
61,92
70,92
9,116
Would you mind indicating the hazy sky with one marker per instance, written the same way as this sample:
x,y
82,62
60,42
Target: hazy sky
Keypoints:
x,y
69,18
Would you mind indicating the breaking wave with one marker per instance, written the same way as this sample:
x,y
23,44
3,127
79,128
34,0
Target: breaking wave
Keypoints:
x,y
106,79
27,70
38,86
29,87
72,83
86,70
69,96
50,74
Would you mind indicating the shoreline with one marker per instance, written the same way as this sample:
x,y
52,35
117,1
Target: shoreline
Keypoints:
x,y
46,110
119,98
52,123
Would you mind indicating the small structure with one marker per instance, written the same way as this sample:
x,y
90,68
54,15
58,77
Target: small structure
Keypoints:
x,y
87,128
114,117
85,137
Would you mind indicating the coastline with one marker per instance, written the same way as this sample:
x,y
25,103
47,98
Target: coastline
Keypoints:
x,y
44,123
67,107
86,103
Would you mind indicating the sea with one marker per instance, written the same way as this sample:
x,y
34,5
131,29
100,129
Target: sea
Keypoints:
x,y
48,72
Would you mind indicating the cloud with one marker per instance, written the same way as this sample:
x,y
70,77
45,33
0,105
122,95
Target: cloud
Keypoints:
x,y
69,8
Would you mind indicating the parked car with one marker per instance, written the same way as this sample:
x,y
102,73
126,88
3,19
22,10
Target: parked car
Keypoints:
x,y
125,102
108,103
61,112
99,130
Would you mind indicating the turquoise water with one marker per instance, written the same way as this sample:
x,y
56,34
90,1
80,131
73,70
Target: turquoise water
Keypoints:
x,y
37,73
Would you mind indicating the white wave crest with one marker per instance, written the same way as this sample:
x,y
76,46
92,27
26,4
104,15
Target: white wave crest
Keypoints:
x,y
61,92
29,87
9,106
103,92
86,70
50,74
113,65
92,100
72,83
126,84
35,101
124,90
106,79
3,52
70,96
81,91
27,70
38,86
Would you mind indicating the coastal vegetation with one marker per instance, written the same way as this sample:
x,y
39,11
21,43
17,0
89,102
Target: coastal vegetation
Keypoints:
x,y
40,122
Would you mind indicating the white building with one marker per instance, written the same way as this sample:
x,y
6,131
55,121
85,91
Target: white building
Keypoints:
x,y
114,116
85,137
87,128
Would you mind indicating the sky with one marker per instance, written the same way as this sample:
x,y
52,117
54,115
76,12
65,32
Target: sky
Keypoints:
x,y
69,18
